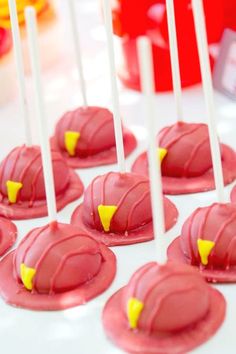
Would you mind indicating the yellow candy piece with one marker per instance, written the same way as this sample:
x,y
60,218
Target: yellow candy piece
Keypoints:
x,y
134,309
27,275
71,140
161,153
13,189
106,213
204,248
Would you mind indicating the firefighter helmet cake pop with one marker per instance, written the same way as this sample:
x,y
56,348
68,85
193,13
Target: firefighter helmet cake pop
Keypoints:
x,y
22,192
55,267
22,188
208,242
117,206
187,163
186,159
208,236
86,137
117,209
163,309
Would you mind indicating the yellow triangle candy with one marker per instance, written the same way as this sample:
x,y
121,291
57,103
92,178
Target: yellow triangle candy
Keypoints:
x,y
204,248
134,309
13,189
106,213
71,139
161,153
27,275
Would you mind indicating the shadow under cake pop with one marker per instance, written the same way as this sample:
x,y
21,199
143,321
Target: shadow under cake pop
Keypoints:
x,y
22,191
117,209
163,309
186,159
55,267
85,137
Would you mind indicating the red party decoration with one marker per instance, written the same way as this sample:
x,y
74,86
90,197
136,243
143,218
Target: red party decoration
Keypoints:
x,y
148,17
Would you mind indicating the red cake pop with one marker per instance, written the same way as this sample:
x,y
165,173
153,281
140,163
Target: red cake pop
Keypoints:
x,y
22,189
163,309
8,234
186,159
56,267
233,195
86,138
207,239
117,209
208,242
86,135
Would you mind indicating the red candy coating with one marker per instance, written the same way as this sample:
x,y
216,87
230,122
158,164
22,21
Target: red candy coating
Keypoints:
x,y
186,144
132,220
8,234
96,144
166,292
24,165
184,170
96,128
233,195
215,223
180,310
63,258
129,192
70,268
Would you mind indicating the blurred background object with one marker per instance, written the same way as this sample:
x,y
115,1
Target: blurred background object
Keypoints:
x,y
134,18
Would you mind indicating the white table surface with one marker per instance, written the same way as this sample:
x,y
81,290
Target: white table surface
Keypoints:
x,y
79,330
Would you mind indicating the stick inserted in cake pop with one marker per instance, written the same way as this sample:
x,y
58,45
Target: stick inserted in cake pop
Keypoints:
x,y
200,28
147,83
78,56
144,309
40,112
114,89
20,69
174,58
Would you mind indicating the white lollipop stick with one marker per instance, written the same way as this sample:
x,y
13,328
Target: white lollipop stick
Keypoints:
x,y
78,56
147,83
114,90
174,58
20,69
201,34
40,112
